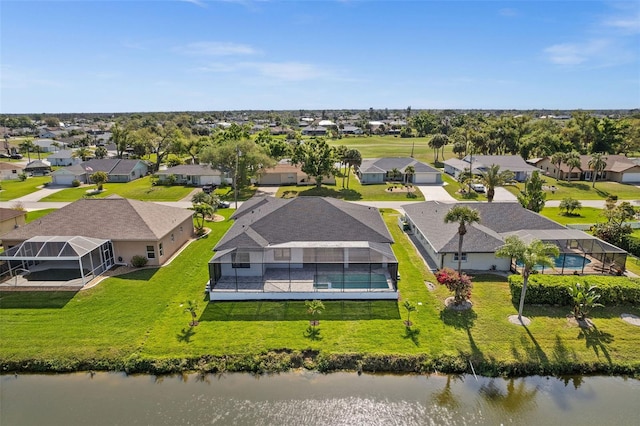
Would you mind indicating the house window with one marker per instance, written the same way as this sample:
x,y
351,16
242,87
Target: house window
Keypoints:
x,y
151,253
464,257
282,254
180,228
173,238
14,172
161,249
240,260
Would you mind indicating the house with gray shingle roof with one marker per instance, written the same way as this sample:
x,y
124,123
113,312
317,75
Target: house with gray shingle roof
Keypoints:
x,y
380,170
119,170
63,158
481,163
440,240
191,174
131,227
302,248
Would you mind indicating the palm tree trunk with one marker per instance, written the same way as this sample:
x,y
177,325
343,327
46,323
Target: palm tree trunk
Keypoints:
x,y
348,175
594,179
525,279
460,254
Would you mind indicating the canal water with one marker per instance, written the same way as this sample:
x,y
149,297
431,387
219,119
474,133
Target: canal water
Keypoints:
x,y
306,398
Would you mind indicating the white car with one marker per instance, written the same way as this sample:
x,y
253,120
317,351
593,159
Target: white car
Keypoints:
x,y
478,187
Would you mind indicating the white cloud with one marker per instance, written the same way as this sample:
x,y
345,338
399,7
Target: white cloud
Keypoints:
x,y
216,48
598,50
198,3
627,24
11,78
284,71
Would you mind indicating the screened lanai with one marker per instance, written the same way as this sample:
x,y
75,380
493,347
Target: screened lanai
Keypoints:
x,y
579,252
321,270
57,259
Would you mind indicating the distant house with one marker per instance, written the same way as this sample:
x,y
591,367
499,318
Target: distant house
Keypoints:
x,y
50,134
586,253
380,170
285,173
481,163
66,175
37,168
63,158
106,230
46,145
304,248
191,174
314,131
119,170
11,219
10,171
351,130
618,169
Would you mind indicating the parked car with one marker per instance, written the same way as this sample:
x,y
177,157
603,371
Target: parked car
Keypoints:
x,y
208,188
224,204
478,187
3,155
16,156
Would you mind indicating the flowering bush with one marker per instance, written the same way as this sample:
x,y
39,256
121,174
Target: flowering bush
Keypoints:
x,y
460,285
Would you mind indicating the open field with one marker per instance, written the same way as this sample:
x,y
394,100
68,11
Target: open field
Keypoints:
x,y
141,316
391,146
12,189
584,215
579,190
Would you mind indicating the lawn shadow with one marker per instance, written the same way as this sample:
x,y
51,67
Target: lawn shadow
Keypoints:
x,y
296,311
561,354
186,334
312,333
534,353
412,334
139,274
35,299
463,320
597,340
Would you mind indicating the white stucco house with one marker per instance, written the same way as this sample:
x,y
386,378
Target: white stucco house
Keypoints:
x,y
379,170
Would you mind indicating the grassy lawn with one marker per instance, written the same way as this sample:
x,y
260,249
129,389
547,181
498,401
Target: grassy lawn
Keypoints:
x,y
139,189
37,214
355,192
141,316
227,193
584,190
584,215
12,189
453,186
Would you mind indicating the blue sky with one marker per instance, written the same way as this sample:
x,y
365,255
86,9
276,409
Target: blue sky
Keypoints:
x,y
118,56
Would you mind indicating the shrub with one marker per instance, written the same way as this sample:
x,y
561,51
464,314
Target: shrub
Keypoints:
x,y
460,285
171,179
22,177
75,183
139,261
554,289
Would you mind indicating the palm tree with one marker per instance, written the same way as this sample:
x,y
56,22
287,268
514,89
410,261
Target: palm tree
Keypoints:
x,y
572,160
597,163
82,153
26,146
528,255
494,177
464,216
192,308
409,171
353,158
557,159
438,141
341,154
394,174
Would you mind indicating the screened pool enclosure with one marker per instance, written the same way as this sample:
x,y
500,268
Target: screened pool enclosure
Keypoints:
x,y
58,260
299,270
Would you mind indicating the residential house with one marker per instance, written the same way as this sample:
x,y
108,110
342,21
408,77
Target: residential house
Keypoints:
x,y
314,131
304,248
618,169
285,173
380,170
481,163
191,174
46,145
37,168
10,171
440,240
92,235
351,130
63,158
119,170
11,219
66,175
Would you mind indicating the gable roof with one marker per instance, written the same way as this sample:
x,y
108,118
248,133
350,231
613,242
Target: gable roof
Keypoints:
x,y
64,153
113,218
37,164
496,219
4,165
6,214
614,163
514,163
111,166
191,170
383,165
264,221
75,170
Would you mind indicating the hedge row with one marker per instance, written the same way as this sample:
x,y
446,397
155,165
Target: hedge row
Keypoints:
x,y
552,289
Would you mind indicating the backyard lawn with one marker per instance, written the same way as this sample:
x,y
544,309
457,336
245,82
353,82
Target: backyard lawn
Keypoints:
x,y
584,215
37,214
12,189
142,316
355,192
579,190
139,189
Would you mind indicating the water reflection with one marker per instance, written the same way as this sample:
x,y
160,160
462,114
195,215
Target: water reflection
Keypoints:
x,y
312,399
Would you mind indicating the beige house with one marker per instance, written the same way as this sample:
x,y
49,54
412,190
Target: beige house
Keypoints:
x,y
11,219
618,169
131,227
10,171
285,173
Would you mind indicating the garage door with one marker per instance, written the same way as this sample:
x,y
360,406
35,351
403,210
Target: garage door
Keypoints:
x,y
63,180
631,178
425,178
209,180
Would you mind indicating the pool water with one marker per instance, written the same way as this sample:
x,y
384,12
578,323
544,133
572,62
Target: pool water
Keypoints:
x,y
350,281
571,261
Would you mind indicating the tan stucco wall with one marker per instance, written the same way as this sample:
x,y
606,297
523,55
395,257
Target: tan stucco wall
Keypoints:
x,y
10,224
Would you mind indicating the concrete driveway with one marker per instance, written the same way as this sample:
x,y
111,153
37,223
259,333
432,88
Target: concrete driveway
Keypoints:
x,y
435,193
502,195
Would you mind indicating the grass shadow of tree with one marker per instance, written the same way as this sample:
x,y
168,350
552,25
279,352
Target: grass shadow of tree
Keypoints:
x,y
463,320
186,334
533,350
139,274
597,340
412,334
312,333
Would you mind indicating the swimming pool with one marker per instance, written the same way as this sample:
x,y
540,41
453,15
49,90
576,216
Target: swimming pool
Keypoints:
x,y
570,261
350,281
